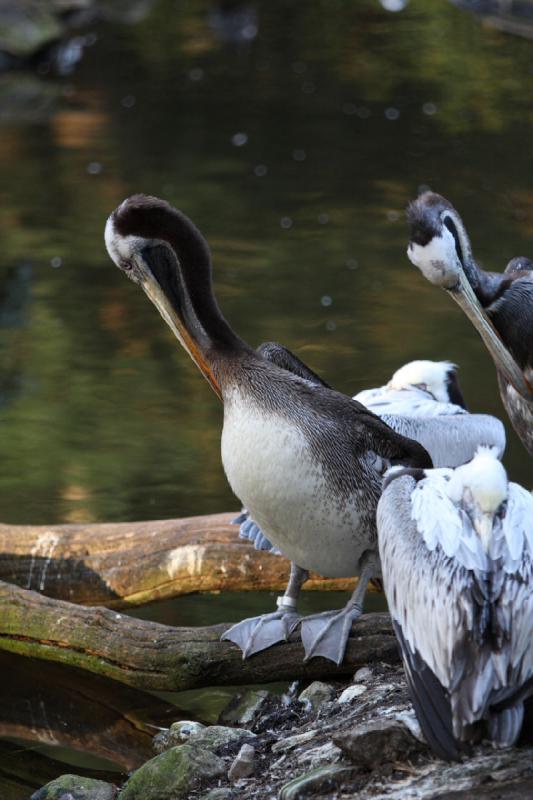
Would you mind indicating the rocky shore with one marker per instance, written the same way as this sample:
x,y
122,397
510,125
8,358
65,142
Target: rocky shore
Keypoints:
x,y
326,740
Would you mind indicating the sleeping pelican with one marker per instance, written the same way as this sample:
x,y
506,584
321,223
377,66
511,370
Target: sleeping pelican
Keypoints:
x,y
306,460
456,549
499,305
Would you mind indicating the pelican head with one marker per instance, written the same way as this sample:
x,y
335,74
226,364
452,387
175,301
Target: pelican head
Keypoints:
x,y
158,247
440,247
480,487
438,378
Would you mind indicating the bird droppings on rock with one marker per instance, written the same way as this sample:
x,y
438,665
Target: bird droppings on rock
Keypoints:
x,y
352,692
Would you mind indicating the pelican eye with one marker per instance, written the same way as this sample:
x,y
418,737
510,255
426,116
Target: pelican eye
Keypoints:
x,y
126,265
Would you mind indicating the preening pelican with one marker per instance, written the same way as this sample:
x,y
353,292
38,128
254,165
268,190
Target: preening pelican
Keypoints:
x,y
305,460
456,549
499,305
422,400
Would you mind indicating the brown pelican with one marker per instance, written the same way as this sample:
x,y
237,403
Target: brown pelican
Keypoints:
x,y
456,549
422,400
499,305
306,460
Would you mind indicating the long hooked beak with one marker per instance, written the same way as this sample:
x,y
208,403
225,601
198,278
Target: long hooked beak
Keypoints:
x,y
464,296
172,308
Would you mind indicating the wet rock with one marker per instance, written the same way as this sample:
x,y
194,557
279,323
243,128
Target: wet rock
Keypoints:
x,y
244,708
315,782
374,743
351,693
316,693
74,787
243,766
172,775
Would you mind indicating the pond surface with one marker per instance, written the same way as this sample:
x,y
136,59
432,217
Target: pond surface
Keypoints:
x,y
294,135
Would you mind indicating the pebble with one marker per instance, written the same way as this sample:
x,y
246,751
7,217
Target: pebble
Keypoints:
x,y
316,693
243,766
362,674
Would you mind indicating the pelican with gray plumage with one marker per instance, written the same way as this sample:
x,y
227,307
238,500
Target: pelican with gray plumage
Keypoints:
x,y
499,305
306,460
456,550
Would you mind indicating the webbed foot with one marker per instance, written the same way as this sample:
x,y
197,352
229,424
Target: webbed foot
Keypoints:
x,y
327,634
257,633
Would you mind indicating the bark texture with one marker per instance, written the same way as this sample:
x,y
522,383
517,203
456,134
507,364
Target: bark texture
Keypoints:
x,y
148,655
125,564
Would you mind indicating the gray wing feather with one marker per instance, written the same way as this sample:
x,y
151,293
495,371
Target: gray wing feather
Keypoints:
x,y
481,658
406,402
451,440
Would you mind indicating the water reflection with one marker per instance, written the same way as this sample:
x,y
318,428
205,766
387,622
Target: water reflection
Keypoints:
x,y
84,721
296,155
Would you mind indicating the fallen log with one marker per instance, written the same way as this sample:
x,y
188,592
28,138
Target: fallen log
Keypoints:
x,y
148,655
131,564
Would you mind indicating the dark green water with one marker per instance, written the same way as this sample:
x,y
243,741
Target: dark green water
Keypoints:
x,y
103,416
296,153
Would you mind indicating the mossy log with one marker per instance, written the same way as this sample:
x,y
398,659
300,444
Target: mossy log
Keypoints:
x,y
148,655
130,564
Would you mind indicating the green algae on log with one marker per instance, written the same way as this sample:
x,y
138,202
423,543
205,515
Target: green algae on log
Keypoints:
x,y
148,655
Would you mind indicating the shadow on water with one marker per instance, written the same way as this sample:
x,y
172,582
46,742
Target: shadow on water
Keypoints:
x,y
294,136
57,719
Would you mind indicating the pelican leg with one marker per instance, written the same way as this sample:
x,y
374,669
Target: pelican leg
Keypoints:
x,y
257,633
327,634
